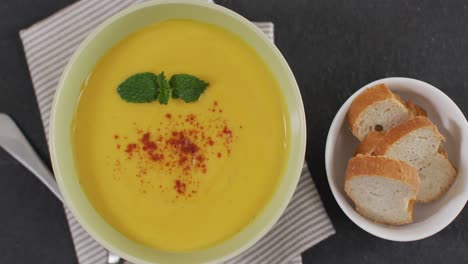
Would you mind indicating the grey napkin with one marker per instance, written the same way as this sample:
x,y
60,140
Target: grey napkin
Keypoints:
x,y
49,44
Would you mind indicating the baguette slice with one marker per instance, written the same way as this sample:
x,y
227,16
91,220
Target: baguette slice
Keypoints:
x,y
377,108
382,189
415,141
436,177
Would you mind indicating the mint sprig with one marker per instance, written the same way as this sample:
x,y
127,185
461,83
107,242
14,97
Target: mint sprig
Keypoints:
x,y
147,87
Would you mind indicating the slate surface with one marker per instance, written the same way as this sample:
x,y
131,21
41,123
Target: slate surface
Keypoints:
x,y
334,47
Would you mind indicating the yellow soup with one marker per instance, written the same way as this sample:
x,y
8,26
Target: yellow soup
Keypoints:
x,y
181,176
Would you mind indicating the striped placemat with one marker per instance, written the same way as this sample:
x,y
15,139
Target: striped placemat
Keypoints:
x,y
49,44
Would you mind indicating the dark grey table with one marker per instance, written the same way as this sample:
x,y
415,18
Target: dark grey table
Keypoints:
x,y
334,47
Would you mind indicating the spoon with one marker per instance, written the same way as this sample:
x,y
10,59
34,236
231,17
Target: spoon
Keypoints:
x,y
15,143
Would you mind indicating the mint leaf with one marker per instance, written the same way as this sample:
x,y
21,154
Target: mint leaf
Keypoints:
x,y
187,87
164,89
139,88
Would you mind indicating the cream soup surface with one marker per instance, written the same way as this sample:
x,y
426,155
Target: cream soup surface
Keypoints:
x,y
181,176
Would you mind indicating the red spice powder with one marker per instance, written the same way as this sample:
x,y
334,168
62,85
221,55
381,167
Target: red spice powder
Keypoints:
x,y
148,145
178,149
182,143
157,157
130,148
210,141
227,131
200,158
182,160
179,187
190,118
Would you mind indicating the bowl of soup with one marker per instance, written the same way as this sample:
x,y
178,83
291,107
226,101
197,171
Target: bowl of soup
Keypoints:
x,y
199,176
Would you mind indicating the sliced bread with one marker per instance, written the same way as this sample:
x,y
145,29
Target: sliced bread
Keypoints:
x,y
414,141
382,189
436,177
376,109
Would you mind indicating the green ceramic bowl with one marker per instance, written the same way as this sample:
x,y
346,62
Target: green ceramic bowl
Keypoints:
x,y
80,65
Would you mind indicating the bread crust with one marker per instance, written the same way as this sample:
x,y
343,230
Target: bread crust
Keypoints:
x,y
369,143
415,109
410,220
394,134
383,166
442,151
367,99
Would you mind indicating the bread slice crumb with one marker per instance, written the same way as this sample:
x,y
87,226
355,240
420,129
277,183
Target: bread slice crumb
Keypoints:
x,y
382,189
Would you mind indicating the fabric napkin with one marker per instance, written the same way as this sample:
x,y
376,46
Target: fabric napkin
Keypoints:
x,y
49,44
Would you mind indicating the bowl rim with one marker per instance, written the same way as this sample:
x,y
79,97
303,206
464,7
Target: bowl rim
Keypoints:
x,y
350,212
301,126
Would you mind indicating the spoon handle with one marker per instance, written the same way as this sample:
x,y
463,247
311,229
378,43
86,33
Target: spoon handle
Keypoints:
x,y
15,143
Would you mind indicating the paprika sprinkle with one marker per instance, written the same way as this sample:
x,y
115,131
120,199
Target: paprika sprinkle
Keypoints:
x,y
178,149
